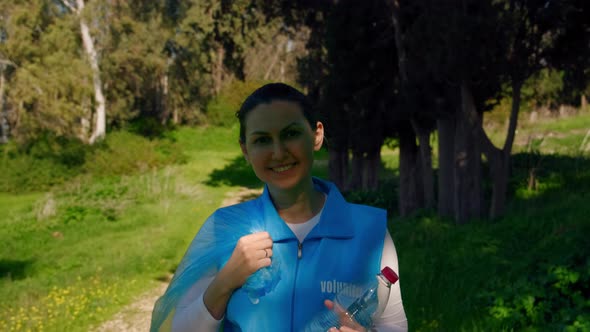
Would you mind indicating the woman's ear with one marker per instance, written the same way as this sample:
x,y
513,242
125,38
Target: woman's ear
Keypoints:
x,y
244,151
319,136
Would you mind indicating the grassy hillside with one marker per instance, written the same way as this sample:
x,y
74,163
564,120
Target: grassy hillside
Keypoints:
x,y
73,255
81,237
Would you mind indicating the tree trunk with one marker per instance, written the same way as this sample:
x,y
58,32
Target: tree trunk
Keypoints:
x,y
4,126
275,59
356,178
100,112
410,195
163,109
175,115
467,161
370,170
426,165
500,159
218,74
419,164
338,167
446,143
583,102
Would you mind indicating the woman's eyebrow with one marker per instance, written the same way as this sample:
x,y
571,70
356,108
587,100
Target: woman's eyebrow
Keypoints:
x,y
292,124
262,132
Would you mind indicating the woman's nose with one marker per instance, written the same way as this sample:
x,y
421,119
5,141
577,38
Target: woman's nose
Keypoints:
x,y
278,150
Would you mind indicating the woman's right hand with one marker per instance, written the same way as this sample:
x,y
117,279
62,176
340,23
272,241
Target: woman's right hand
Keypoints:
x,y
252,252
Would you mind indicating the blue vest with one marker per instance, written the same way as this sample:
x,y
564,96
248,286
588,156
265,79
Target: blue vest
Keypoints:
x,y
344,248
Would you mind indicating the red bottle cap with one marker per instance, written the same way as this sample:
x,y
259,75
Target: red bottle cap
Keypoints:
x,y
388,273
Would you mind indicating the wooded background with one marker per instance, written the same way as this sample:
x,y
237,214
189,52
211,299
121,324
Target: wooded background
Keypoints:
x,y
380,72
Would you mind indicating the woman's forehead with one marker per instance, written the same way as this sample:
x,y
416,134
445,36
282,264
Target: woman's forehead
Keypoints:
x,y
274,116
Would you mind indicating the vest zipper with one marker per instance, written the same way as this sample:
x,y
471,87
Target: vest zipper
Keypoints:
x,y
299,247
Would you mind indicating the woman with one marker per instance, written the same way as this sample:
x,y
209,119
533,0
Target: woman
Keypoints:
x,y
321,241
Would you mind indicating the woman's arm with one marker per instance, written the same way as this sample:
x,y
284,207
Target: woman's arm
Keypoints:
x,y
191,313
394,316
211,295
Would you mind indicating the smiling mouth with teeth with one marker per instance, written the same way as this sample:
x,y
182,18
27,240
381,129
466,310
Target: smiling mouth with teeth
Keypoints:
x,y
283,168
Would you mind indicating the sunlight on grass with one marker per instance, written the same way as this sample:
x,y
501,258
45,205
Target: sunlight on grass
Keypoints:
x,y
133,228
62,307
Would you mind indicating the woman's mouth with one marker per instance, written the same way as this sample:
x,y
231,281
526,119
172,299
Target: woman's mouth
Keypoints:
x,y
282,168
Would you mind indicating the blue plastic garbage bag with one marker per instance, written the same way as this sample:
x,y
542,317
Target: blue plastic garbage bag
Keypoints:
x,y
208,252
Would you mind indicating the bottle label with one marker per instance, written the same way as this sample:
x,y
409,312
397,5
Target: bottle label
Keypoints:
x,y
334,287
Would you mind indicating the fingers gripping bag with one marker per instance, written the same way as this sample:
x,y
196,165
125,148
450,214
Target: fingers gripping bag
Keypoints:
x,y
206,255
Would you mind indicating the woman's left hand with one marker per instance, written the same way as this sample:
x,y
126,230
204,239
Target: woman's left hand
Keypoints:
x,y
348,324
345,329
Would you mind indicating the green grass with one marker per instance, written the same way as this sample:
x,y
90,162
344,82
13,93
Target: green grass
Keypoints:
x,y
475,277
76,253
528,271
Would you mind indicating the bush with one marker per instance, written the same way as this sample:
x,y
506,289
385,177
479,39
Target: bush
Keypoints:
x,y
39,165
126,153
554,296
148,127
222,109
24,173
384,197
49,161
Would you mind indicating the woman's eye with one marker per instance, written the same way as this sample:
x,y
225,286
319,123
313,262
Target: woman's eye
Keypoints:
x,y
262,140
292,133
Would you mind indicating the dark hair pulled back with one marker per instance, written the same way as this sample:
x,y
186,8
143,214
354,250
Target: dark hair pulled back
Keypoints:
x,y
274,92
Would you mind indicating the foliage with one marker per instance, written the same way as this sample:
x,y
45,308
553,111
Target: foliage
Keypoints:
x,y
37,167
543,89
221,111
50,87
125,153
162,61
554,297
51,160
527,271
385,197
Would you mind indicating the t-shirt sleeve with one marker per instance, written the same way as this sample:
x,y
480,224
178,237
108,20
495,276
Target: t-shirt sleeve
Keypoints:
x,y
191,313
394,316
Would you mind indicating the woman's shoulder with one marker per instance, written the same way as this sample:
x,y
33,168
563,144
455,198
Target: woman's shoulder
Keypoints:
x,y
368,210
249,206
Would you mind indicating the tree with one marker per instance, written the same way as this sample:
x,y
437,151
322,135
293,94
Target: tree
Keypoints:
x,y
440,48
449,40
359,85
416,189
99,130
4,122
47,87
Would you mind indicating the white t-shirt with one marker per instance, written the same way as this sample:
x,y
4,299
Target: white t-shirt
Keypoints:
x,y
192,315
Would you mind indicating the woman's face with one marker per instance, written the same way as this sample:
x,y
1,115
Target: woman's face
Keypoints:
x,y
279,143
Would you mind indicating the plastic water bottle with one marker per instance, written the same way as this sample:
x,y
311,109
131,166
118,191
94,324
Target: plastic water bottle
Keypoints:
x,y
360,310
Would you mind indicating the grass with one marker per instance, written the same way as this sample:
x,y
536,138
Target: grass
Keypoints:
x,y
74,255
528,271
77,250
461,277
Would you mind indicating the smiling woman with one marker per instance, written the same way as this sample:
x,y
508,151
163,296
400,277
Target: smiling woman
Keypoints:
x,y
306,233
279,144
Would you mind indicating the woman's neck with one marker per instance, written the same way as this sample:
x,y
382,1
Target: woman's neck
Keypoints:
x,y
298,205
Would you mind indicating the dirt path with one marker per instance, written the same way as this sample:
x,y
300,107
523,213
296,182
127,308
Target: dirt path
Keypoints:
x,y
136,316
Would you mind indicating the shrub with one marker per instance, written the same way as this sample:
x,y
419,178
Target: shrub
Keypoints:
x,y
38,166
384,197
554,297
126,153
222,109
